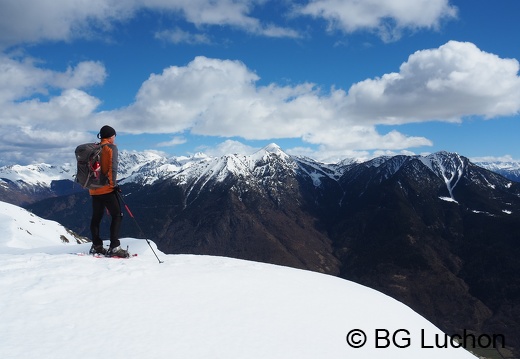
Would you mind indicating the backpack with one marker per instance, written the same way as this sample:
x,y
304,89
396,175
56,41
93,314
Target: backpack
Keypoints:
x,y
88,157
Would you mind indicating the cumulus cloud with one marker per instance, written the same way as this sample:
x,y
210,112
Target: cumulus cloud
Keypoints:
x,y
228,146
388,18
85,74
42,109
218,97
21,78
221,98
32,21
363,137
28,92
23,144
450,82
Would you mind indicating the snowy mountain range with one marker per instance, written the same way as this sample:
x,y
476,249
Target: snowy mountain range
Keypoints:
x,y
57,304
38,181
509,169
435,232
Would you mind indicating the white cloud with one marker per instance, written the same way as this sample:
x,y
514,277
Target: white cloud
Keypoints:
x,y
221,98
44,113
362,137
447,83
23,78
210,12
217,97
234,13
24,144
70,106
85,74
33,21
386,17
28,93
175,141
229,147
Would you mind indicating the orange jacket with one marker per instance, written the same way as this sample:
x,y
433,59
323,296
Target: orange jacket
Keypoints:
x,y
109,160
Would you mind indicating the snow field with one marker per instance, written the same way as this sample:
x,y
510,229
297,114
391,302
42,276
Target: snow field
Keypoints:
x,y
57,304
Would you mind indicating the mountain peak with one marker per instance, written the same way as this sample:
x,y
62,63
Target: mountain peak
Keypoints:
x,y
271,149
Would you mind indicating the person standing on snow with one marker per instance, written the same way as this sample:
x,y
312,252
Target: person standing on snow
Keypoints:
x,y
107,197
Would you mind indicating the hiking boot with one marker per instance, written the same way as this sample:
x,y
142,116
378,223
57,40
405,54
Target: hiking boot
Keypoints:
x,y
97,249
117,252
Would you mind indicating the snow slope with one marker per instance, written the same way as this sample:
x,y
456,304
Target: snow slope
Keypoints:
x,y
55,304
20,229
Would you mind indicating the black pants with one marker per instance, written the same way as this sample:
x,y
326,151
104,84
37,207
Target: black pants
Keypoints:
x,y
111,203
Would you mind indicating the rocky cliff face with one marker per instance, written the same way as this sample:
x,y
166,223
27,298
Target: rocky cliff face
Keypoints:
x,y
430,231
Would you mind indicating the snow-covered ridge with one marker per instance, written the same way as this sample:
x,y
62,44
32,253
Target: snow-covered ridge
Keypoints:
x,y
204,168
57,304
509,169
148,167
38,174
508,165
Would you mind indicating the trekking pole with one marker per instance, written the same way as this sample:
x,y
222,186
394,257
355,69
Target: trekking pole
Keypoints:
x,y
137,224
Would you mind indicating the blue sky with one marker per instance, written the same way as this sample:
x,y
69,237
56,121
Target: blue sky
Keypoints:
x,y
328,79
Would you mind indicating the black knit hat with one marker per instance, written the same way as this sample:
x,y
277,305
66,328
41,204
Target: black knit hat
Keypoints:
x,y
106,132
